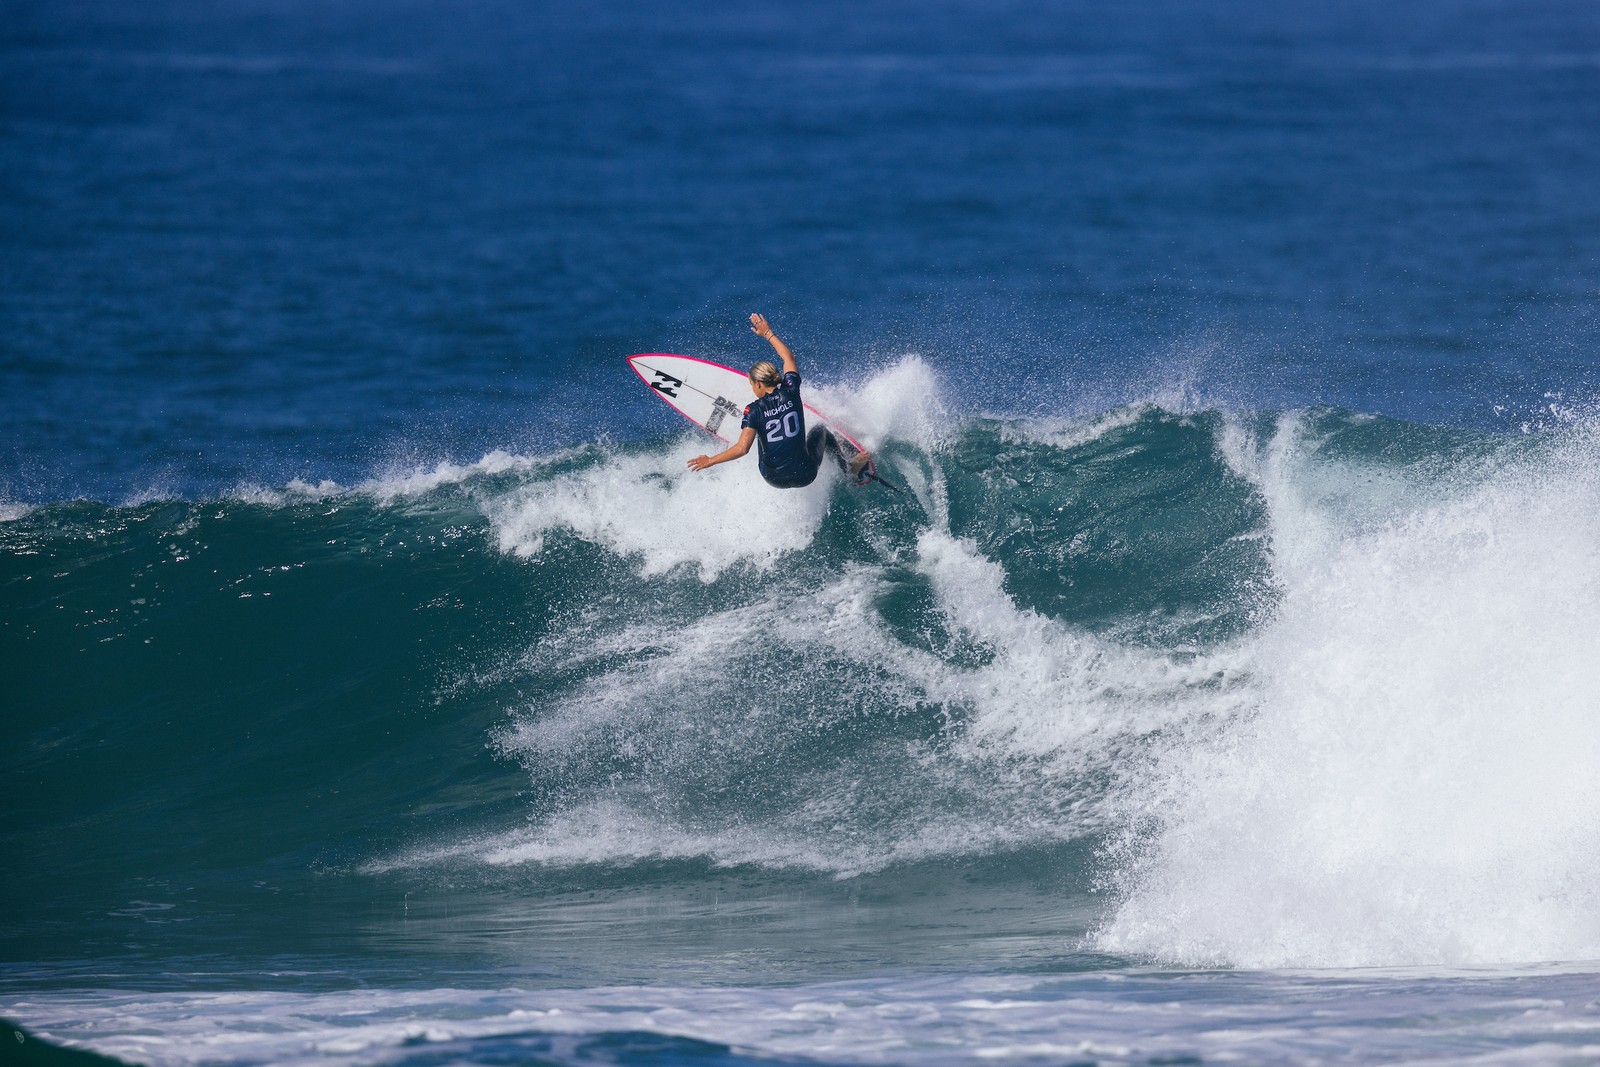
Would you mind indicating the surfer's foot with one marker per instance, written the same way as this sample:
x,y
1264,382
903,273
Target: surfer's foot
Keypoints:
x,y
861,467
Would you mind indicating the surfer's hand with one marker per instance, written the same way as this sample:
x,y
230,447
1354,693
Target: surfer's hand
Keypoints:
x,y
699,463
759,325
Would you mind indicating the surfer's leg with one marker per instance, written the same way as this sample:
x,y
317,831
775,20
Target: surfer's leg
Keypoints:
x,y
856,462
819,442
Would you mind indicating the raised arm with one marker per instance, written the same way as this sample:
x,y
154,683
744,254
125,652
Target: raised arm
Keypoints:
x,y
759,325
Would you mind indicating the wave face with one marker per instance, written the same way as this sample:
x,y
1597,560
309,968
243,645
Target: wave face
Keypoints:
x,y
1277,690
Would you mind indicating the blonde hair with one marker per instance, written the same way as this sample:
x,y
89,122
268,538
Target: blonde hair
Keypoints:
x,y
764,373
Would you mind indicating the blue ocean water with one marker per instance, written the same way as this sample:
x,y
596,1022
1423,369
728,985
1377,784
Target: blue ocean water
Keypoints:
x,y
382,689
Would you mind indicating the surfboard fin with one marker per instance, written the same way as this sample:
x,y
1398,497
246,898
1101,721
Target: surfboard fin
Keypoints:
x,y
886,484
864,472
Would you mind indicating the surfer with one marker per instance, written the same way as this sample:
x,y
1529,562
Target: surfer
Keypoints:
x,y
789,457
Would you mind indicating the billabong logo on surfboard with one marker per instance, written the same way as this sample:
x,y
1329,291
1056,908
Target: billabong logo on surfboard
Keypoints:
x,y
666,384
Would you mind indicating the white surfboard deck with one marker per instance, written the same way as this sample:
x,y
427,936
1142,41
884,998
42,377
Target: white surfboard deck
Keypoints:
x,y
708,394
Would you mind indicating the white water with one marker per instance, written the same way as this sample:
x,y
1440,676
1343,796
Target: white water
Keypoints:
x,y
1418,784
1124,1018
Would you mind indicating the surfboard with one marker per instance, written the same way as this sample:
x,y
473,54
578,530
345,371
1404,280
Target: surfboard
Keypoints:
x,y
713,397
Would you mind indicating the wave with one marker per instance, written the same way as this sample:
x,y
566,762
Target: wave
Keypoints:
x,y
1316,684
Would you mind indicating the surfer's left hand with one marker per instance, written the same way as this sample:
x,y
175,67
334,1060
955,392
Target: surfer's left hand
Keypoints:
x,y
699,463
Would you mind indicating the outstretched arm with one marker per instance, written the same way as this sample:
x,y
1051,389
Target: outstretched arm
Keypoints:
x,y
759,325
747,437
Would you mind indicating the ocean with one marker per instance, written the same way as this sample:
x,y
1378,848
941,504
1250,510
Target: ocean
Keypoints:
x,y
381,687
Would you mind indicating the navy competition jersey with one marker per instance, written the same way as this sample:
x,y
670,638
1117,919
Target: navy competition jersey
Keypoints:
x,y
779,420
